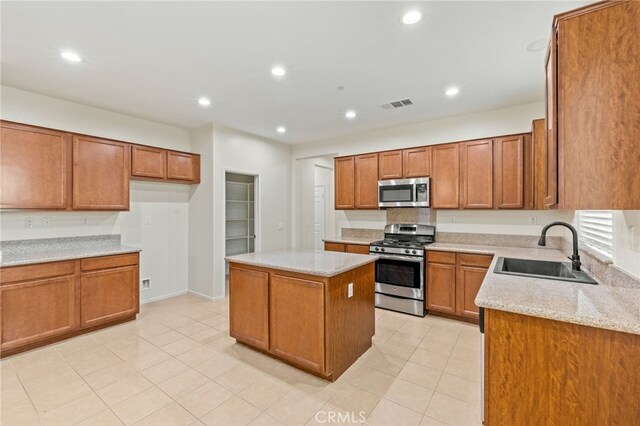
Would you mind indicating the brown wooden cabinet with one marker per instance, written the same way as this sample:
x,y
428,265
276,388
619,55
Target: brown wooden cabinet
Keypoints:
x,y
539,142
509,178
308,321
366,181
590,375
476,168
445,185
47,302
347,248
390,165
593,108
148,162
183,166
249,307
416,162
35,167
344,183
453,281
100,174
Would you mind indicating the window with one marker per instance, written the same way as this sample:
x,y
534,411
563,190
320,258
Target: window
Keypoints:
x,y
595,228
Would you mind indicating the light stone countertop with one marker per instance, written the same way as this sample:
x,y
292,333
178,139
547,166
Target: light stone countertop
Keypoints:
x,y
26,252
601,306
351,240
311,262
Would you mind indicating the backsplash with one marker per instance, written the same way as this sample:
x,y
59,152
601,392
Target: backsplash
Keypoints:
x,y
528,241
377,234
422,216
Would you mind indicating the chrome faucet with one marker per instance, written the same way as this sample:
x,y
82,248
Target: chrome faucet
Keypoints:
x,y
575,258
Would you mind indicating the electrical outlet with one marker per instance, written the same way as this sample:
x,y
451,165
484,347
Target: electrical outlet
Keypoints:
x,y
452,219
46,222
85,220
350,290
146,283
280,226
147,220
28,222
533,220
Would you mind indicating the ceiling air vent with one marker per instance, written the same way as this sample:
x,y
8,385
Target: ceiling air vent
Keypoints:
x,y
397,104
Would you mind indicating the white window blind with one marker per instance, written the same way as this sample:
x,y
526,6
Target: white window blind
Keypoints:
x,y
596,230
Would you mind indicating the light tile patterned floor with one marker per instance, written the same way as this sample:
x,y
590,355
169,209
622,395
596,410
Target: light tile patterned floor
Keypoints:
x,y
177,365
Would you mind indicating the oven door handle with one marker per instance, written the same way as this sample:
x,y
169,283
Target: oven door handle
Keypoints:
x,y
405,258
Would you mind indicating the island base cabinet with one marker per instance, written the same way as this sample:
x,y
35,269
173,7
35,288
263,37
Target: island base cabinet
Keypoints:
x,y
48,302
312,322
249,307
539,371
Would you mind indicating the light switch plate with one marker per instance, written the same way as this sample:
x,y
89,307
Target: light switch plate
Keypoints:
x,y
350,290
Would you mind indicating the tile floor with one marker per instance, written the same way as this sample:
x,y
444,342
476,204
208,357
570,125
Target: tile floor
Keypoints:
x,y
177,365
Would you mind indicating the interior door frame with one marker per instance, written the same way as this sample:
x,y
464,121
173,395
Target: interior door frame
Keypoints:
x,y
257,241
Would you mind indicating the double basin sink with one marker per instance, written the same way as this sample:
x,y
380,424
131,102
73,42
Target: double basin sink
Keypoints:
x,y
541,269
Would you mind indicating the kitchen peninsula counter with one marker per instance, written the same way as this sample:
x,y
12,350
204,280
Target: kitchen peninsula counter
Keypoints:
x,y
312,309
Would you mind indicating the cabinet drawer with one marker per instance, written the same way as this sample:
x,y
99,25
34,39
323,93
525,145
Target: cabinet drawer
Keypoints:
x,y
478,260
334,247
38,271
105,262
441,257
357,248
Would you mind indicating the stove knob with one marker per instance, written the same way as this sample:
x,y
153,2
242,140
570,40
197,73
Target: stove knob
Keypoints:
x,y
376,248
381,249
406,251
413,251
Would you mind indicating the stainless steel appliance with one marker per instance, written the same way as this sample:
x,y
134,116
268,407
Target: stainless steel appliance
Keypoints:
x,y
400,280
403,193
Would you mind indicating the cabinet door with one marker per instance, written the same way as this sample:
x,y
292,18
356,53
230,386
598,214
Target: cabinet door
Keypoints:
x,y
417,162
441,288
551,169
366,181
36,310
344,183
295,305
35,167
249,307
108,294
357,249
100,174
148,162
181,166
476,164
390,165
445,184
334,247
509,172
468,282
539,142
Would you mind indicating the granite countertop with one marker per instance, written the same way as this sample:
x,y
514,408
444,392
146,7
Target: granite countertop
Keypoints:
x,y
25,252
601,306
351,240
311,262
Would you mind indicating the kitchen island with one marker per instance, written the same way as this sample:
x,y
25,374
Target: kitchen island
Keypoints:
x,y
311,309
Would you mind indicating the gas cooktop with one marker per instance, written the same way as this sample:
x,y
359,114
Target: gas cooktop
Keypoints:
x,y
403,239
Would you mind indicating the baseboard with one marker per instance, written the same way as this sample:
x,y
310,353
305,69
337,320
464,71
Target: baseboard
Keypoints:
x,y
166,296
204,296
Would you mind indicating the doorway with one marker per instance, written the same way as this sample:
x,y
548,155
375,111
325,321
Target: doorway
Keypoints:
x,y
240,213
318,216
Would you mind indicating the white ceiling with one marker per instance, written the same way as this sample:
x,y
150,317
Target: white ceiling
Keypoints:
x,y
154,59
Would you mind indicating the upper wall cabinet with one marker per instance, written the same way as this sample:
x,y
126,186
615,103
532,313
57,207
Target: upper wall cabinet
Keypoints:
x,y
148,162
539,142
344,183
366,181
416,162
183,166
35,168
445,184
593,108
390,165
100,174
476,173
509,164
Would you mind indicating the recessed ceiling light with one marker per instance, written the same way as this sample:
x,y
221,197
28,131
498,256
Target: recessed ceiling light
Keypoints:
x,y
351,114
70,56
281,129
411,17
278,71
452,91
204,102
538,45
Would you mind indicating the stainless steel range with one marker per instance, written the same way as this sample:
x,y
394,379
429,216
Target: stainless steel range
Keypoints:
x,y
400,279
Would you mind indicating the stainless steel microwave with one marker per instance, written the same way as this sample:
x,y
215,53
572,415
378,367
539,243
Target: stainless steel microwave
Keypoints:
x,y
403,193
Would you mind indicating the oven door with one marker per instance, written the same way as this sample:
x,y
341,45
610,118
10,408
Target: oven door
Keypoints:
x,y
401,276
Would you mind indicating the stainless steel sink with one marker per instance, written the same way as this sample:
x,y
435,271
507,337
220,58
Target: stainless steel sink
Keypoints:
x,y
541,269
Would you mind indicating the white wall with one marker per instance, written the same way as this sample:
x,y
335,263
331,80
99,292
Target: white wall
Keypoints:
x,y
242,152
164,242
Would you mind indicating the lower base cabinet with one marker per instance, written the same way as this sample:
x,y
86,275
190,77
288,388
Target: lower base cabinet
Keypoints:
x,y
347,248
308,321
453,281
47,302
